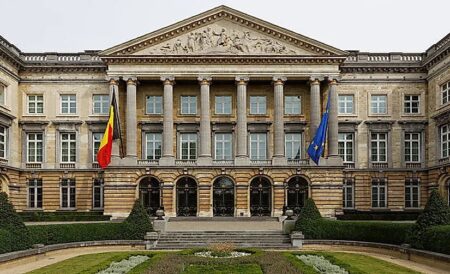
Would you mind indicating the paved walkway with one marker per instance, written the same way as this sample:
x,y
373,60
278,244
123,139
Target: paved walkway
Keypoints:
x,y
224,226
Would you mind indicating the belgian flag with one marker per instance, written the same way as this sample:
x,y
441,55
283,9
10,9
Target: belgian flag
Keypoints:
x,y
112,133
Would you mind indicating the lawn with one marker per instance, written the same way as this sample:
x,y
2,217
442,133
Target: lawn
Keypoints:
x,y
185,262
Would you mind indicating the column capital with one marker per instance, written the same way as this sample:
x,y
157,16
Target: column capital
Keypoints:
x,y
279,80
204,80
315,80
332,80
113,80
168,79
242,80
131,80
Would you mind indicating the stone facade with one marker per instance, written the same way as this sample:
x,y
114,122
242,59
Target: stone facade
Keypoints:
x,y
223,52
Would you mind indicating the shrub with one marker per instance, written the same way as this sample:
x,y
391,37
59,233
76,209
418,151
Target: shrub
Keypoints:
x,y
138,222
63,216
221,249
437,239
12,227
308,215
436,212
379,215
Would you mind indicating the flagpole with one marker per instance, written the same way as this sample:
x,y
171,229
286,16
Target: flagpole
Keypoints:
x,y
118,123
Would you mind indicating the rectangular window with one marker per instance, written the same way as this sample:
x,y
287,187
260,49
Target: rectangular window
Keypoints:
x,y
2,94
96,140
35,104
152,146
188,142
445,140
292,145
68,148
68,193
292,105
35,147
35,193
223,104
445,93
3,142
345,103
100,104
412,147
97,194
68,104
411,104
379,193
378,104
258,146
345,147
412,188
258,105
189,105
154,105
223,146
378,147
348,193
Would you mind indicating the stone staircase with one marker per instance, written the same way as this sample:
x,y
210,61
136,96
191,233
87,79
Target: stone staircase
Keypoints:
x,y
193,239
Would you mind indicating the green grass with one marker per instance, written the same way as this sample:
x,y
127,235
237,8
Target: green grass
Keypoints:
x,y
224,269
91,263
361,264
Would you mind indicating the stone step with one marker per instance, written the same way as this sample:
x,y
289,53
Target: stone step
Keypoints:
x,y
223,219
279,246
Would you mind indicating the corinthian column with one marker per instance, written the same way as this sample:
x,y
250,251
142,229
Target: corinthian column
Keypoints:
x,y
205,122
278,125
114,88
333,125
168,157
314,105
131,118
241,124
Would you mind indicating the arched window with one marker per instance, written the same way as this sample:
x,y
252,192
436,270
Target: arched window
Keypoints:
x,y
223,197
297,193
150,194
260,197
186,197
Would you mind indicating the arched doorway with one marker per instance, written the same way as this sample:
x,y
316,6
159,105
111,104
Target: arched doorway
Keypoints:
x,y
223,197
186,197
297,193
150,194
260,197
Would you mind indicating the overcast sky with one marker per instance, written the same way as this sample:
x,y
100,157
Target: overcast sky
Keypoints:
x,y
77,25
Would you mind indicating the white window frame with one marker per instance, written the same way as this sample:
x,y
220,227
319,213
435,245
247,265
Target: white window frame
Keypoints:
x,y
260,141
71,188
3,142
445,93
2,94
409,141
412,185
188,105
189,139
292,105
70,142
348,188
153,104
34,186
293,140
376,104
223,144
408,101
103,101
444,133
223,105
38,99
35,141
152,140
98,184
347,143
378,141
381,186
96,140
258,105
71,101
348,104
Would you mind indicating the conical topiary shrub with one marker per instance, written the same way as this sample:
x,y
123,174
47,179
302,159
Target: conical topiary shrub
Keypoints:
x,y
308,218
138,223
436,212
11,224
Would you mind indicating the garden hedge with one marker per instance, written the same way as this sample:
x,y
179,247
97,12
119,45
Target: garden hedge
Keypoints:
x,y
437,239
63,216
353,215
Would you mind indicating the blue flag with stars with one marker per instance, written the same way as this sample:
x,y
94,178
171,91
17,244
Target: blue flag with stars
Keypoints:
x,y
317,145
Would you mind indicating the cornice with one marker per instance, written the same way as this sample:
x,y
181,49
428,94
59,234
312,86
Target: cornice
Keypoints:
x,y
66,69
386,68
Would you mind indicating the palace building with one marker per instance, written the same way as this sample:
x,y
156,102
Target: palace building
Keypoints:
x,y
217,112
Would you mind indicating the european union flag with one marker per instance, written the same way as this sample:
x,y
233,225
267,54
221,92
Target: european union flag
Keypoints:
x,y
317,145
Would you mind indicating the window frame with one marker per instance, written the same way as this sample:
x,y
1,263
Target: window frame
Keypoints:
x,y
379,183
35,103
259,146
410,101
191,105
293,141
411,141
222,105
378,141
69,102
98,184
154,103
378,103
188,157
225,143
258,104
289,102
5,136
94,142
103,104
71,189
445,89
3,89
346,104
68,149
154,142
348,183
346,141
410,185
445,153
36,187
35,141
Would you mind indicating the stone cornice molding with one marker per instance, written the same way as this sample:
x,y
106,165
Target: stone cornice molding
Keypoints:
x,y
385,68
66,69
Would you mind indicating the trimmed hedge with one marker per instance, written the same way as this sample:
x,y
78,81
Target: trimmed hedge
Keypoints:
x,y
63,216
437,239
379,216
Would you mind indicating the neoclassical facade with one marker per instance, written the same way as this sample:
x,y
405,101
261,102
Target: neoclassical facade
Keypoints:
x,y
217,112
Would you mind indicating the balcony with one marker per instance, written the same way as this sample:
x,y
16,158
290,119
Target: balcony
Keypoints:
x,y
145,162
185,162
3,161
298,162
444,160
223,162
33,165
260,162
413,165
380,165
349,165
67,165
95,165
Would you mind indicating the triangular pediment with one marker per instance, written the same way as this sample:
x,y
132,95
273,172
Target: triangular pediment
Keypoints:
x,y
223,31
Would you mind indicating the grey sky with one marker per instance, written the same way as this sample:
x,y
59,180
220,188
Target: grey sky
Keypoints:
x,y
376,26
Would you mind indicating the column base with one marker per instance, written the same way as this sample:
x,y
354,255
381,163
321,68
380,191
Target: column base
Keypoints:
x,y
167,161
322,162
279,161
204,161
241,161
130,160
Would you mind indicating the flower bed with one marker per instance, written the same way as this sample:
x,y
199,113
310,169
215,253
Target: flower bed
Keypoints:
x,y
233,254
124,266
321,264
